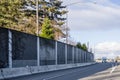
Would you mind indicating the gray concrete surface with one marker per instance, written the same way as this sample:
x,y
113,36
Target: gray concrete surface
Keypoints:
x,y
15,72
80,73
112,73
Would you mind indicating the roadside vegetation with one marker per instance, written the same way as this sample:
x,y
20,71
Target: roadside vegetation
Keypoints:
x,y
20,15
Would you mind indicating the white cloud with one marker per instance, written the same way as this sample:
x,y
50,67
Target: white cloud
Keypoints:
x,y
101,16
107,49
104,15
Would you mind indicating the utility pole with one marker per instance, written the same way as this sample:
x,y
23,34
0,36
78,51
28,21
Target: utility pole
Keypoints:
x,y
66,26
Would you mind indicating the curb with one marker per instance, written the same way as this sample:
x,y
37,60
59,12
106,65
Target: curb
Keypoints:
x,y
16,72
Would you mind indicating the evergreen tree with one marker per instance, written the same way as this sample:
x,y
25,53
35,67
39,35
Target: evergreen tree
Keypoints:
x,y
47,30
82,46
21,14
10,12
51,9
79,45
56,10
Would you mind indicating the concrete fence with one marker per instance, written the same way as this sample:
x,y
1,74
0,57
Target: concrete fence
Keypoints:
x,y
19,54
19,49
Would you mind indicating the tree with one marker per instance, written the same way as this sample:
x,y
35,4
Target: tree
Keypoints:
x,y
82,46
51,9
10,13
79,45
56,12
47,29
21,15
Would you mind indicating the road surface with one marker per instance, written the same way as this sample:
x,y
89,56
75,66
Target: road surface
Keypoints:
x,y
101,71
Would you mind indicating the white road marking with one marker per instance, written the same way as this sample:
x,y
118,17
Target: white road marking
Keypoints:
x,y
108,74
113,69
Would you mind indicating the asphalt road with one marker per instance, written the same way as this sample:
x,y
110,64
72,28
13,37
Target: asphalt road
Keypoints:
x,y
93,72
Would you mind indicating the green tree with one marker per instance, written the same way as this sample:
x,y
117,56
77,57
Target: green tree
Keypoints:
x,y
82,46
51,9
10,12
21,15
56,10
47,29
79,45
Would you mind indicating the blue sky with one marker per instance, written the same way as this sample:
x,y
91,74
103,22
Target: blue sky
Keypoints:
x,y
98,24
115,1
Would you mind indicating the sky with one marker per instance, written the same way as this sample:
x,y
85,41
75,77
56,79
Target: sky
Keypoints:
x,y
96,22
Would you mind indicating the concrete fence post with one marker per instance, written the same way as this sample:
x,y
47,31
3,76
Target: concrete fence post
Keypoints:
x,y
77,55
65,53
85,56
38,51
88,60
10,48
89,57
93,57
56,61
73,52
80,56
